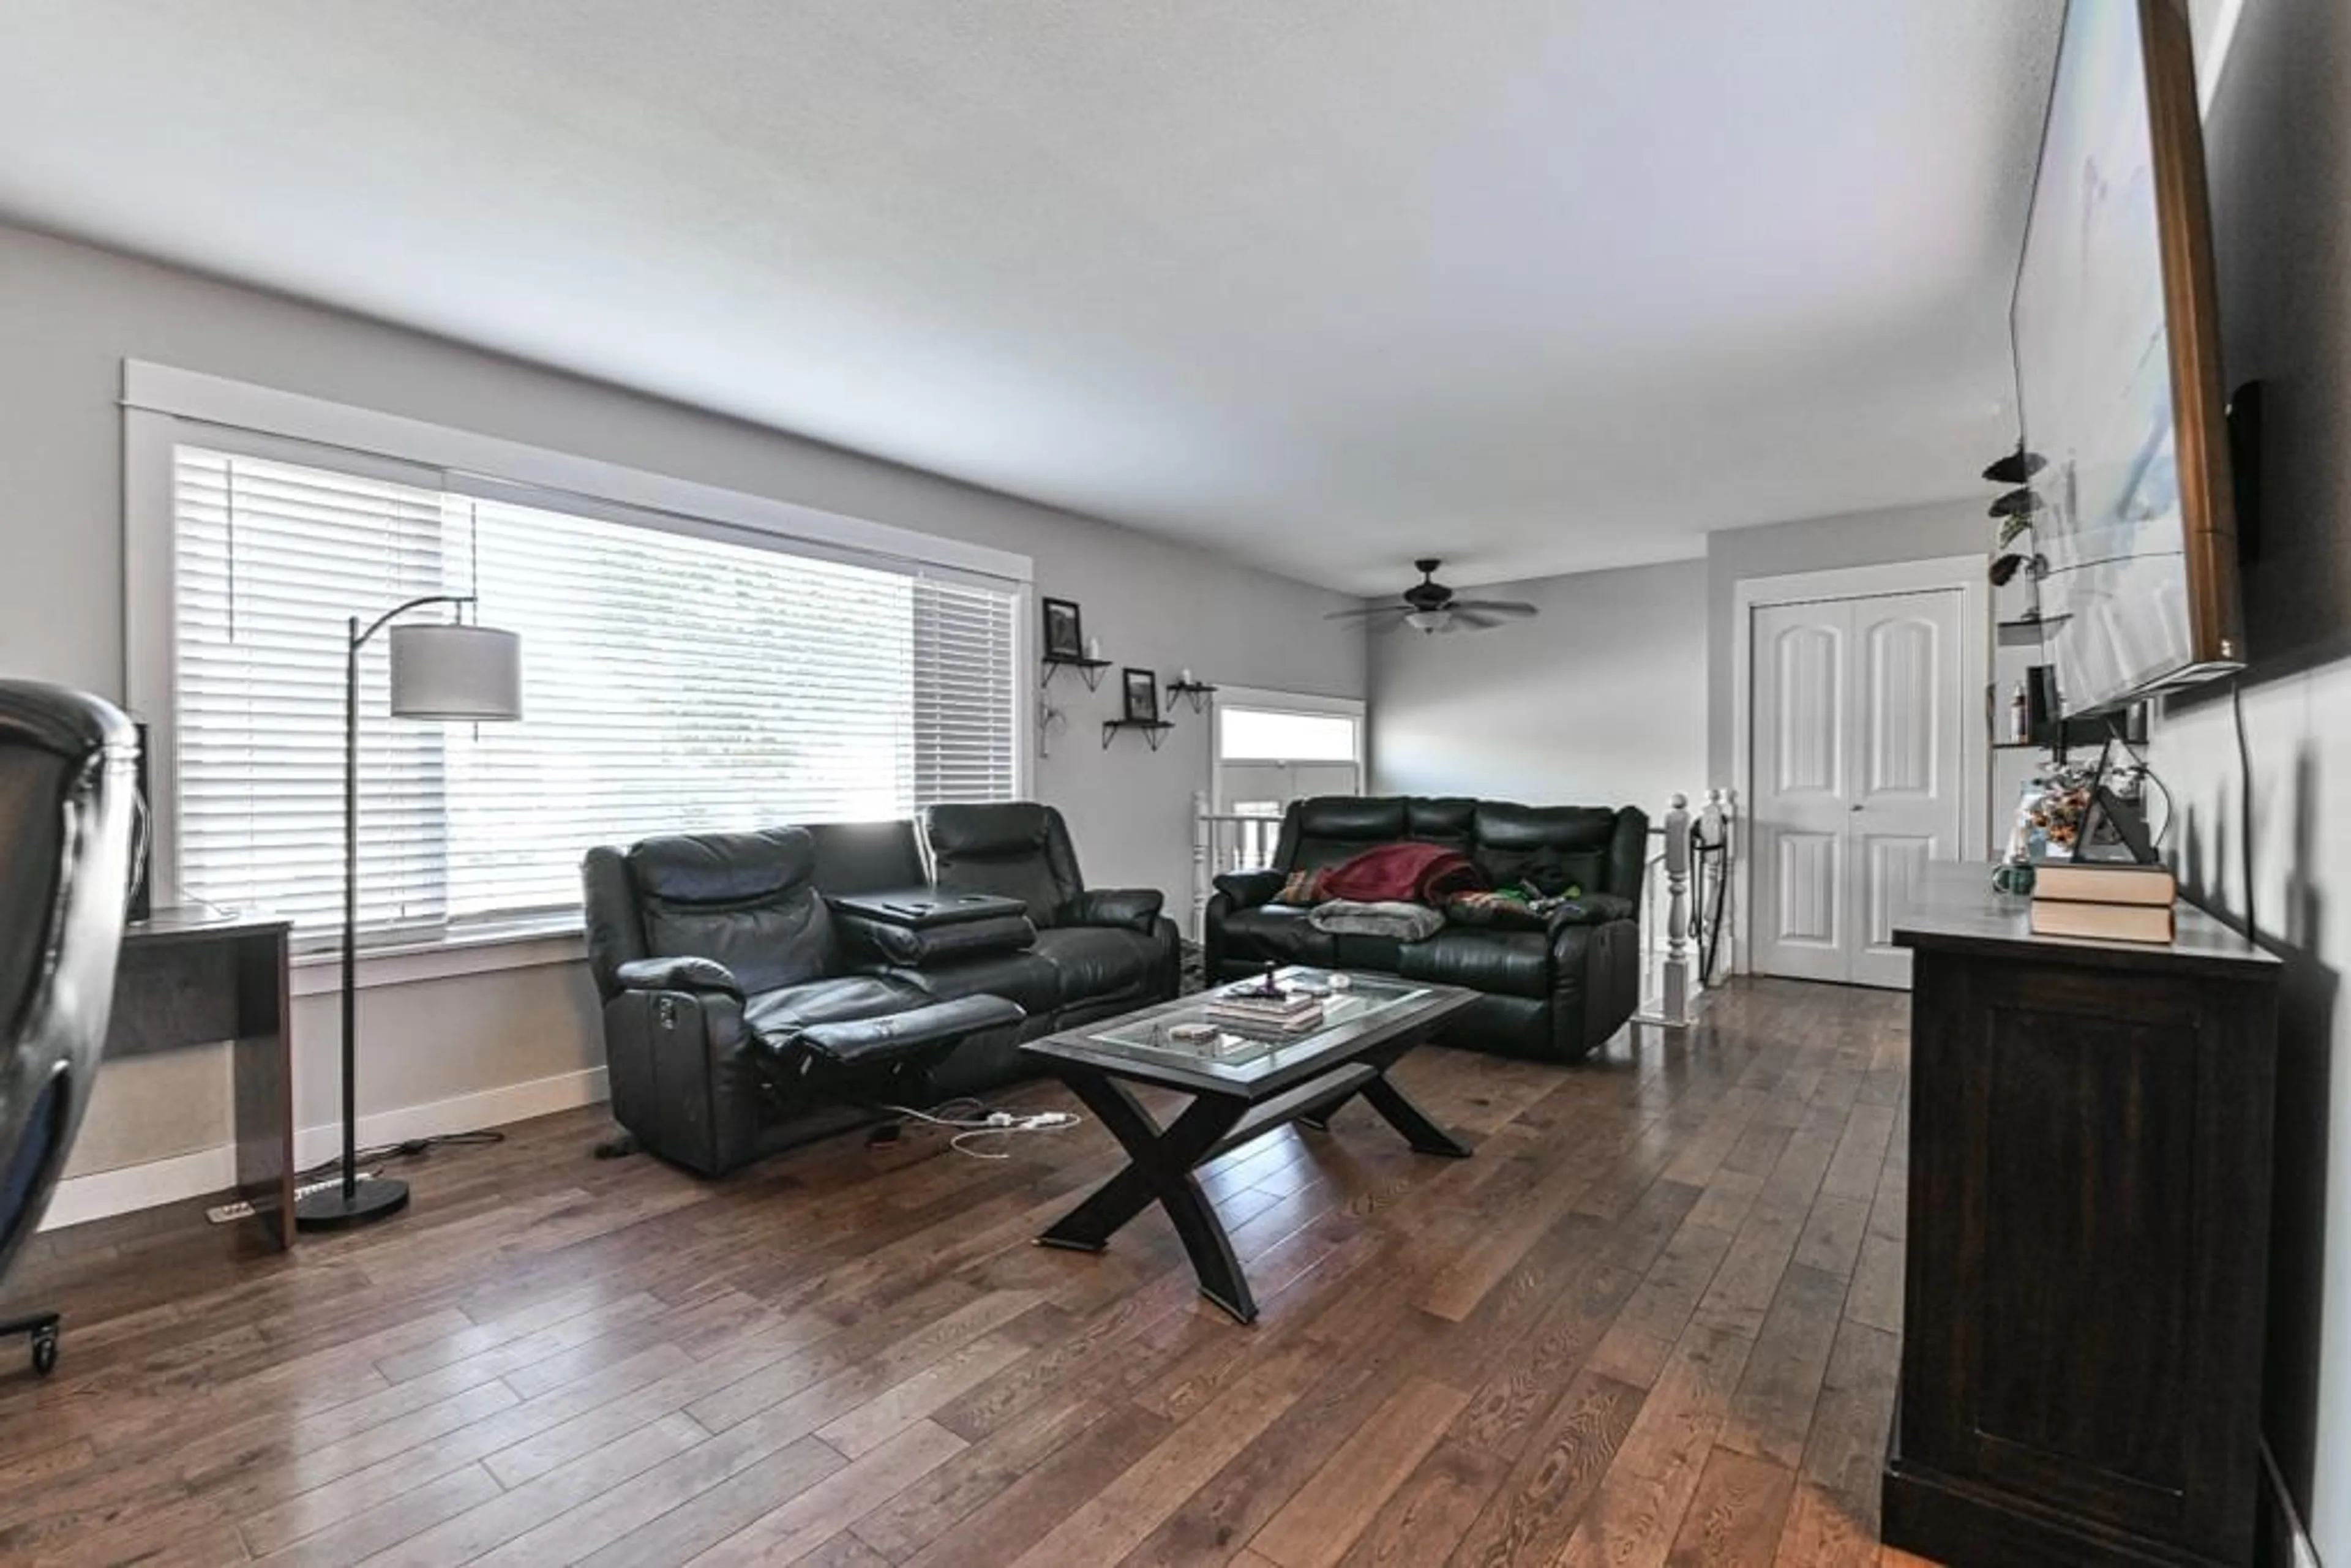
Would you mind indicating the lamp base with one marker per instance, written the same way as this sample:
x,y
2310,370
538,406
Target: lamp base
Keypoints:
x,y
329,1209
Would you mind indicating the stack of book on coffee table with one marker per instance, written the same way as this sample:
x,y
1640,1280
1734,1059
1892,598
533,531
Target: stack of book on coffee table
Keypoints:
x,y
2105,902
1257,1010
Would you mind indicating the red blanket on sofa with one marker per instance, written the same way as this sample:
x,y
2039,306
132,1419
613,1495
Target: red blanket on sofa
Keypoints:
x,y
1410,873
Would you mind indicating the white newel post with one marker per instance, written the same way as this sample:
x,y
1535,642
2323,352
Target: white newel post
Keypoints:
x,y
1676,1002
1203,870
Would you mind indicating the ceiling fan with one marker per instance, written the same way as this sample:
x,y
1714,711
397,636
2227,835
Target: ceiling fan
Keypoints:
x,y
1430,607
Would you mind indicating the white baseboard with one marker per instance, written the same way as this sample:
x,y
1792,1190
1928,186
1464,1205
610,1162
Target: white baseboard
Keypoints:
x,y
103,1193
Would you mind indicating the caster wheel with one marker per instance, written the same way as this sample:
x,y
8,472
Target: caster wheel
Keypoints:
x,y
44,1352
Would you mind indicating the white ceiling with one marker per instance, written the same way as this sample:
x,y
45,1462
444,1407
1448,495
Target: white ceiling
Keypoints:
x,y
1533,285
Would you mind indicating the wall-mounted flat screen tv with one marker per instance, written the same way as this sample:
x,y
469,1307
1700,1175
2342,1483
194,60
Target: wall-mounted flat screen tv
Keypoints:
x,y
2117,366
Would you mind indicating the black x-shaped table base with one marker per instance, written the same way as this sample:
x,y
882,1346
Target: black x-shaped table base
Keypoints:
x,y
1161,1161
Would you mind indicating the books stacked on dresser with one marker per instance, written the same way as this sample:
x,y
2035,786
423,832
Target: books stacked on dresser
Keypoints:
x,y
1256,1009
2105,902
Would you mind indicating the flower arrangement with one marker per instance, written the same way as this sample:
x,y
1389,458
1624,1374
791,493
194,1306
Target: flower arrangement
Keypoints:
x,y
2050,809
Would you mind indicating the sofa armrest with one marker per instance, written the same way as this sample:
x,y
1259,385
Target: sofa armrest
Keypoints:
x,y
1593,909
678,975
1135,908
1251,889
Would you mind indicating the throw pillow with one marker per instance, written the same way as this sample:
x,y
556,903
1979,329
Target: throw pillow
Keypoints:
x,y
1303,889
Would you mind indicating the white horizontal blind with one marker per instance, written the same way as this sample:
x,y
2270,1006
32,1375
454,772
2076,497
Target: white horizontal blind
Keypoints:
x,y
966,729
271,560
671,682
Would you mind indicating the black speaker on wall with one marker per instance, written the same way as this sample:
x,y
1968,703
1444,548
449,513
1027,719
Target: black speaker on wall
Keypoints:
x,y
143,893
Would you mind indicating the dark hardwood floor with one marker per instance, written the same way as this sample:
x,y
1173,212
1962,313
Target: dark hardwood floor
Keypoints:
x,y
1655,1320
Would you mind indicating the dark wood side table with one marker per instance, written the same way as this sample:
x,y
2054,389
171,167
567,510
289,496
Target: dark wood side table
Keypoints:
x,y
2086,1277
1302,1080
195,977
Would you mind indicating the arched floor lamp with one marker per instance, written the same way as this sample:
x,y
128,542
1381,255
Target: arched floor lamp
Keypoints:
x,y
440,670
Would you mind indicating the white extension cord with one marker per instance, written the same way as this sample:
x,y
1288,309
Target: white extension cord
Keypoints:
x,y
994,1125
221,1214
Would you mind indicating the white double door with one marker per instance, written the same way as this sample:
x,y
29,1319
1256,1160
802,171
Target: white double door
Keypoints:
x,y
1857,765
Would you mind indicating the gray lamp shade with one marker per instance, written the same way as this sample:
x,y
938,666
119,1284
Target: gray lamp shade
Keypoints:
x,y
451,671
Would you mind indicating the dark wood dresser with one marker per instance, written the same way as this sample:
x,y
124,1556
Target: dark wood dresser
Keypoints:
x,y
2088,1239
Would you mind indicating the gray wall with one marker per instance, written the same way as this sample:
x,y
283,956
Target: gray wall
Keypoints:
x,y
69,315
2278,139
1815,544
1594,703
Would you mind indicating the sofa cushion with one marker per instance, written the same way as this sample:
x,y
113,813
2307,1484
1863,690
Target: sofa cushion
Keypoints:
x,y
1441,820
1006,847
915,1035
787,1008
1550,848
744,900
1276,934
1333,828
721,868
866,857
1098,963
1505,962
1023,977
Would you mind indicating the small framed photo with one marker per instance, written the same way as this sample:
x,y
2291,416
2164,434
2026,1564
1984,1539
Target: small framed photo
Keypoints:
x,y
1142,688
1065,635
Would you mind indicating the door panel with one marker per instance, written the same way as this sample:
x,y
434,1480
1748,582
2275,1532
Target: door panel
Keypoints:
x,y
1812,874
1900,658
1807,735
1858,748
1907,808
1801,714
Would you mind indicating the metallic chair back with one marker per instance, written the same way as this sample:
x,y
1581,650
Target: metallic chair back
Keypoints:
x,y
67,789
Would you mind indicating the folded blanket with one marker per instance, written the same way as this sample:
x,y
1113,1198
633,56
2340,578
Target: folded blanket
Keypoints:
x,y
1417,872
1386,917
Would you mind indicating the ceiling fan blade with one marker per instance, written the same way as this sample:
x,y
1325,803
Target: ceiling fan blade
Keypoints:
x,y
1471,618
1517,607
1368,611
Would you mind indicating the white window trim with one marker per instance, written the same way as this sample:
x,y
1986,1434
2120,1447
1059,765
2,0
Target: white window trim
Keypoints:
x,y
164,407
1289,702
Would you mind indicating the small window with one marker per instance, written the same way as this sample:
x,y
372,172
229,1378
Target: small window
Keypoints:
x,y
1259,735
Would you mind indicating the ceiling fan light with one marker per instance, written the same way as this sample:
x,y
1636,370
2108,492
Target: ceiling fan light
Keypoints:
x,y
1428,619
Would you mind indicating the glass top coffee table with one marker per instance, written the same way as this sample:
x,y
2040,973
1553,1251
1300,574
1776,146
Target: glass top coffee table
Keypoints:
x,y
1245,1082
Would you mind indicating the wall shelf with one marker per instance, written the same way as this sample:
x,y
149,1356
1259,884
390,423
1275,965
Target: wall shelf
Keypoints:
x,y
1089,670
1153,730
2028,631
1196,693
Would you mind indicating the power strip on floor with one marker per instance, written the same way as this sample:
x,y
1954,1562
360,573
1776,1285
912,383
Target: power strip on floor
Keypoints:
x,y
224,1213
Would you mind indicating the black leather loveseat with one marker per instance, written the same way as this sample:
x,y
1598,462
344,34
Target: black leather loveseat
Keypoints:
x,y
1553,992
736,998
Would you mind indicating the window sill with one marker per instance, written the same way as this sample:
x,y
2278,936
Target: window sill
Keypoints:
x,y
320,973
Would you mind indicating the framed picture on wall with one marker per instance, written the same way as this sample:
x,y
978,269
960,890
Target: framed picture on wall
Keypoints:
x,y
1142,688
1065,635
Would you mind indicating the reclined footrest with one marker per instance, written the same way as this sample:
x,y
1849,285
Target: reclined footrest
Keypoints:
x,y
872,1042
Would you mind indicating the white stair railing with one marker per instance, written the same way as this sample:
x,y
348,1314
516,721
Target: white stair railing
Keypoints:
x,y
1222,841
1685,953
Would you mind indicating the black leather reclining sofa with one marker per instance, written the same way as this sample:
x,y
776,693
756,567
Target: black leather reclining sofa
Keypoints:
x,y
1554,993
737,1001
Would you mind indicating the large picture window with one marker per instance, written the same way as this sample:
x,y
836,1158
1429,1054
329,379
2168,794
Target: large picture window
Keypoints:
x,y
676,676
